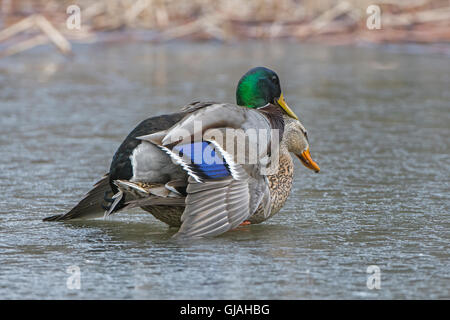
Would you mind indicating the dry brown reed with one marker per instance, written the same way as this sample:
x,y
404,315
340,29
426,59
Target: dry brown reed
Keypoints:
x,y
335,22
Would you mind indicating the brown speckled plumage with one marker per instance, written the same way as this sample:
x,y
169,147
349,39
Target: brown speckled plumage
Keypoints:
x,y
280,185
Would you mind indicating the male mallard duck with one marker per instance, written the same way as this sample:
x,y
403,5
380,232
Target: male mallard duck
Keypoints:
x,y
145,160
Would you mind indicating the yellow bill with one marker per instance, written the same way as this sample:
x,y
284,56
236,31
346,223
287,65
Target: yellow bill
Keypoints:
x,y
286,108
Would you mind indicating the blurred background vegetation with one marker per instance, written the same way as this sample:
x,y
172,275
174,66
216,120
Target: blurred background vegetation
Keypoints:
x,y
28,23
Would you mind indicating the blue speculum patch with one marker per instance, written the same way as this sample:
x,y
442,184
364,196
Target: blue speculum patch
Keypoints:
x,y
203,159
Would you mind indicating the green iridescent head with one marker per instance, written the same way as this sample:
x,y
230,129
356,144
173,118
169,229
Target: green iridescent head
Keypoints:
x,y
260,86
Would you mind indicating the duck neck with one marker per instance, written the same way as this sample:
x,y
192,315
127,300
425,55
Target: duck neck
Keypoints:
x,y
285,155
285,161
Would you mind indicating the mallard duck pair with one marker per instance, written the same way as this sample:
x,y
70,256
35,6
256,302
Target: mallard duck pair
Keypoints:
x,y
209,168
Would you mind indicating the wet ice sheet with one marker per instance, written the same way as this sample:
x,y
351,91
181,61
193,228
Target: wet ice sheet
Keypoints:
x,y
378,122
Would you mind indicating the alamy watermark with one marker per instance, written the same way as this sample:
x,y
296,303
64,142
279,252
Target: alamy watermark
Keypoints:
x,y
236,146
374,277
374,19
74,280
74,19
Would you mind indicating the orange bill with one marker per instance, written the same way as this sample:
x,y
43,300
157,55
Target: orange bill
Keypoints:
x,y
307,161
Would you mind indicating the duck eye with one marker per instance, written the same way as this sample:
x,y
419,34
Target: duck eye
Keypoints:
x,y
274,79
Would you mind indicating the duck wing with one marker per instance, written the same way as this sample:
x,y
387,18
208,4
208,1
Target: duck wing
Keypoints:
x,y
221,192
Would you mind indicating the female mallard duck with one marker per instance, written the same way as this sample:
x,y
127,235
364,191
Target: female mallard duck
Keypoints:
x,y
145,160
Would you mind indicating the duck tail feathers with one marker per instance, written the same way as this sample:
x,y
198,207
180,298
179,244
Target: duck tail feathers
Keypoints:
x,y
91,206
